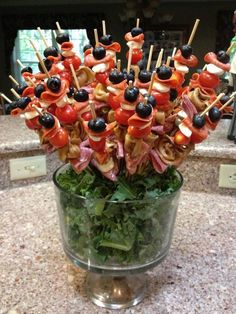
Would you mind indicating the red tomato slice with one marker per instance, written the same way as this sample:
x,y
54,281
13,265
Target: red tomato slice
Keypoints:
x,y
161,98
60,139
75,61
66,114
208,80
122,116
98,146
33,124
113,101
139,133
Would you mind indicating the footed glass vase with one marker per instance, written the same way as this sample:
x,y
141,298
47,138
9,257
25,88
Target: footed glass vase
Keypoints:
x,y
116,242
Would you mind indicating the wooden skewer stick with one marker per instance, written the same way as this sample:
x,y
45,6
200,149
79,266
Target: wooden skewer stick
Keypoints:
x,y
59,27
6,98
212,104
43,37
92,107
13,80
193,31
137,22
118,65
168,61
15,93
230,47
159,59
228,102
37,109
96,37
173,52
20,63
40,59
151,82
104,28
204,68
130,84
150,58
74,76
129,59
31,81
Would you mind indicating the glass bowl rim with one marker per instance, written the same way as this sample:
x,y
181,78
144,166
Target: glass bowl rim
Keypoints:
x,y
159,198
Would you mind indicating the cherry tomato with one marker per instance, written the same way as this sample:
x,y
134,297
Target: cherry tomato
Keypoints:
x,y
161,98
60,139
87,116
122,116
209,80
113,101
98,146
137,55
66,76
102,77
66,114
75,60
139,133
52,108
181,139
33,124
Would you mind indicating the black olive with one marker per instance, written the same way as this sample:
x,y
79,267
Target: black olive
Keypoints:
x,y
23,102
144,76
54,84
38,90
99,53
97,125
86,47
223,57
71,92
151,100
50,51
130,76
163,72
186,51
173,94
116,76
198,121
143,110
131,94
47,120
224,99
136,31
81,95
106,40
10,107
47,63
26,69
20,88
214,114
62,37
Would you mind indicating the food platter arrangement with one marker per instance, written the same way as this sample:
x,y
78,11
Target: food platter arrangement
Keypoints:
x,y
120,118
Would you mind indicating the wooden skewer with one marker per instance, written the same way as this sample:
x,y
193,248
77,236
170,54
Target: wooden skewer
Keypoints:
x,y
37,109
228,102
43,37
173,52
91,104
193,31
13,80
15,93
150,58
212,104
230,47
151,83
96,37
118,65
137,22
20,63
204,68
160,55
40,59
74,76
130,84
129,59
31,81
6,98
59,27
168,61
104,28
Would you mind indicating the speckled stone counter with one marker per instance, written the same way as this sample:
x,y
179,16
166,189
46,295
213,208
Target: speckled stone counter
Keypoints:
x,y
198,276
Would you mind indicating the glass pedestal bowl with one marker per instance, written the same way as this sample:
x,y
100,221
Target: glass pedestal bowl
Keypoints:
x,y
116,242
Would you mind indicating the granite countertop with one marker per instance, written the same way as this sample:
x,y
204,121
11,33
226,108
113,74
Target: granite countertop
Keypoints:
x,y
198,276
15,136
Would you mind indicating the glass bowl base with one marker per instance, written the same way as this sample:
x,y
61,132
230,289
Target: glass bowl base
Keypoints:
x,y
113,292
